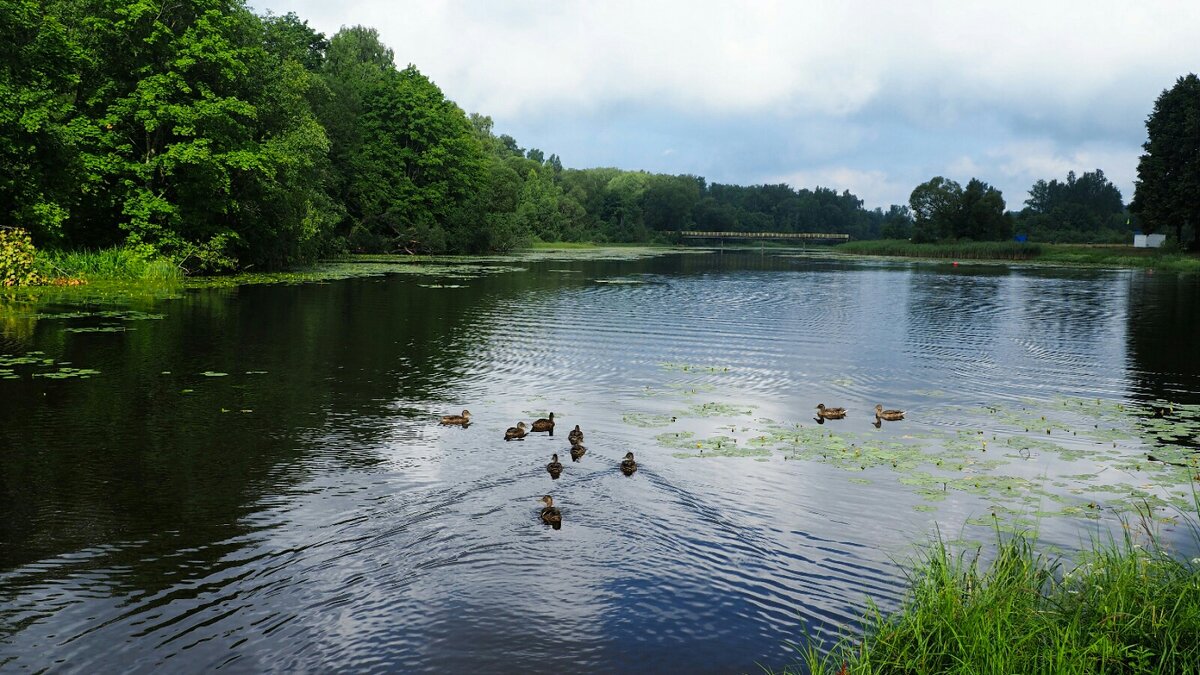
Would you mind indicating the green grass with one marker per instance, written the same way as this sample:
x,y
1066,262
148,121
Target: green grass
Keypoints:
x,y
974,250
1125,609
1079,255
110,264
559,245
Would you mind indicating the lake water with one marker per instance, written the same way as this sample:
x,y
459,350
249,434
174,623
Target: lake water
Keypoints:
x,y
252,478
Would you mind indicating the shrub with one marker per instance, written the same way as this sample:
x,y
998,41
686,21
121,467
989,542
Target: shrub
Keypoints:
x,y
16,258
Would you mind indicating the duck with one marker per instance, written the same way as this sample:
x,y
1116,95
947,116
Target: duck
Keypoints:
x,y
830,413
464,419
577,451
515,433
550,514
544,424
576,436
554,467
628,466
889,415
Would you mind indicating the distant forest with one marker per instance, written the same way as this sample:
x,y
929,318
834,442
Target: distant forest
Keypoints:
x,y
220,139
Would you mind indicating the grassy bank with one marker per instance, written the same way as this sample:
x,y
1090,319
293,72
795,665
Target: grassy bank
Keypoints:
x,y
977,250
1079,255
1125,609
110,264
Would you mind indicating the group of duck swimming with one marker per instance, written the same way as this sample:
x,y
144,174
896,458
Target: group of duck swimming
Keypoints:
x,y
824,413
550,514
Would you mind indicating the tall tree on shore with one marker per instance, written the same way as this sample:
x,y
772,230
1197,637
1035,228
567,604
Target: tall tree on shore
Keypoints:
x,y
37,143
935,208
1167,191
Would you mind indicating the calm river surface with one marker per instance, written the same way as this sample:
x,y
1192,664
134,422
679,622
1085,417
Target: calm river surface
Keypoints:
x,y
253,478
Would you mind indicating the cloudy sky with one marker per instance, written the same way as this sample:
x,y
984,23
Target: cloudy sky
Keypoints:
x,y
874,97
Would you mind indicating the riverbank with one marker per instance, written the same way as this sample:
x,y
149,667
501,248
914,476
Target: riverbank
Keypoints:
x,y
1080,255
1128,607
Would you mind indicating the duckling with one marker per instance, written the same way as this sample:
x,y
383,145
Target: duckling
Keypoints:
x,y
551,515
515,433
554,467
576,436
830,413
628,466
577,451
544,424
464,419
1161,411
889,415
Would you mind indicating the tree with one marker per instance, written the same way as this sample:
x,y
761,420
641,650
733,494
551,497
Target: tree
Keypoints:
x,y
38,150
1168,184
897,223
1079,208
935,207
982,213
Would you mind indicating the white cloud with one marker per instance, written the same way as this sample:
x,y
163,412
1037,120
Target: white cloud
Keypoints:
x,y
875,188
1010,91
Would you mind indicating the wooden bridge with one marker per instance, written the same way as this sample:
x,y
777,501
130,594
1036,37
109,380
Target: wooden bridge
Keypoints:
x,y
794,236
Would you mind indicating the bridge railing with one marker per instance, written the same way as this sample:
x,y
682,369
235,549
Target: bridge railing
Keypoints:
x,y
695,234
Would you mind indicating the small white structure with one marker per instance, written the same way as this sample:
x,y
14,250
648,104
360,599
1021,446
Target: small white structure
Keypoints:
x,y
1148,240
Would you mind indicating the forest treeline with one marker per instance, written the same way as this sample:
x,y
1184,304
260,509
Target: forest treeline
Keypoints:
x,y
220,139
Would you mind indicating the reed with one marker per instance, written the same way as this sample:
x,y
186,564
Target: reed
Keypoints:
x,y
116,263
1126,607
967,250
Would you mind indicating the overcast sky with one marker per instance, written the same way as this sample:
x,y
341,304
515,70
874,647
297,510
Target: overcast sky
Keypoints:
x,y
874,97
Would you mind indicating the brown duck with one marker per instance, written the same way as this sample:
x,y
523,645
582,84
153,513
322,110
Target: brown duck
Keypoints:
x,y
516,433
889,415
577,451
628,466
554,467
464,419
550,515
575,436
830,413
544,424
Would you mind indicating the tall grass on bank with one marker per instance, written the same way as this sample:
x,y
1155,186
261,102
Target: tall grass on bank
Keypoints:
x,y
970,250
116,264
1125,609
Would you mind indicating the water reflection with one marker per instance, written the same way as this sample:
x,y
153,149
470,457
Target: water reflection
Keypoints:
x,y
300,507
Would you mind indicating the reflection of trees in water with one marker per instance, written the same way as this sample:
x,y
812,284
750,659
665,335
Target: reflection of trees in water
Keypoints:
x,y
955,314
1164,336
1072,308
128,455
127,460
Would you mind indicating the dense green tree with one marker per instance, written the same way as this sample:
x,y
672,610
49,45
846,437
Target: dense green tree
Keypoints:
x,y
38,146
944,210
1081,208
289,38
668,202
982,214
192,135
537,210
935,207
1167,190
897,223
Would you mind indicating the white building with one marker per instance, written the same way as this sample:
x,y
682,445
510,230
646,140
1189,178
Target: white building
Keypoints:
x,y
1148,240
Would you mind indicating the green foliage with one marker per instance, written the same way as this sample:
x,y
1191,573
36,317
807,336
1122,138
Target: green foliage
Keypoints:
x,y
37,154
121,263
219,140
964,250
943,210
1169,174
1126,609
1080,209
17,256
